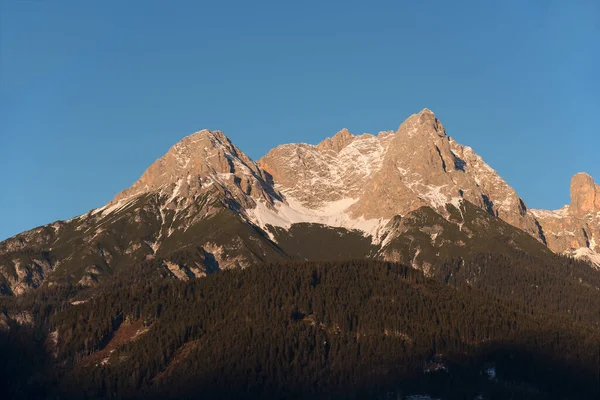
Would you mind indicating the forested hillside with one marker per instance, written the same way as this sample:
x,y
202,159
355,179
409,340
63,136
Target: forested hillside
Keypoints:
x,y
342,329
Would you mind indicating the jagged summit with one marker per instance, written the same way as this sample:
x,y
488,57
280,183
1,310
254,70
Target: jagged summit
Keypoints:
x,y
336,143
585,195
425,122
199,162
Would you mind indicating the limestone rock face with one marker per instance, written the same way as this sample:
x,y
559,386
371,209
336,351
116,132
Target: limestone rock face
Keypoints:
x,y
585,195
201,161
575,228
337,142
335,169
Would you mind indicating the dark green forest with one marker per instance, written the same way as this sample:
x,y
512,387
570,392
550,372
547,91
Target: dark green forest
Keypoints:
x,y
353,329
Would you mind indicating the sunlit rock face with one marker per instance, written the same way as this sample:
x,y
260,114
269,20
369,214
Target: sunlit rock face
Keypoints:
x,y
394,173
204,161
585,195
575,228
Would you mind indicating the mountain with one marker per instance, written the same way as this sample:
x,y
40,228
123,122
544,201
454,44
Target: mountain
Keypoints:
x,y
366,266
410,196
393,174
363,181
186,205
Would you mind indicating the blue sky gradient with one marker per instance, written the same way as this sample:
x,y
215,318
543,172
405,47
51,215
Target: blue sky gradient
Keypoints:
x,y
91,93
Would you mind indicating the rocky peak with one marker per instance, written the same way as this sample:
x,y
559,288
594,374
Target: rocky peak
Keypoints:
x,y
425,122
424,166
201,161
585,195
337,142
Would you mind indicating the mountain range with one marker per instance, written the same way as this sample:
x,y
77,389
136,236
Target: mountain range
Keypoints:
x,y
412,195
366,266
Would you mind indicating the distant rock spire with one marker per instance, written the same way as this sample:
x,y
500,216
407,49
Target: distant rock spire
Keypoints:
x,y
585,195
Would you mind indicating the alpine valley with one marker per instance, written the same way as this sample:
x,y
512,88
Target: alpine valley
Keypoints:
x,y
364,266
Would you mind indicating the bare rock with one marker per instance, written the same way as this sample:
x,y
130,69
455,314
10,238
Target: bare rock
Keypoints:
x,y
201,162
575,228
585,195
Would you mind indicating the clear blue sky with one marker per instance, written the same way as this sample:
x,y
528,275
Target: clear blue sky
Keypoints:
x,y
92,92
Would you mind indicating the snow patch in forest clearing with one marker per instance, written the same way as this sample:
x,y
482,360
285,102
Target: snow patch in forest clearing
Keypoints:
x,y
105,360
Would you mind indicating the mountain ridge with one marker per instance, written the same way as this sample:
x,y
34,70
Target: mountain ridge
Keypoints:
x,y
357,184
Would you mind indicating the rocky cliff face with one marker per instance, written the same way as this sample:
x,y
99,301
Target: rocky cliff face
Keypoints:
x,y
201,162
337,168
575,228
585,195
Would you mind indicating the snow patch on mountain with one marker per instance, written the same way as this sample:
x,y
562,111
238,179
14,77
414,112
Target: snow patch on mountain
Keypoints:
x,y
316,175
434,196
110,208
586,253
286,214
560,213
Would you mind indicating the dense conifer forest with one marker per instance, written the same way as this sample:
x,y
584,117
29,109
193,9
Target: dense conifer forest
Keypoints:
x,y
351,329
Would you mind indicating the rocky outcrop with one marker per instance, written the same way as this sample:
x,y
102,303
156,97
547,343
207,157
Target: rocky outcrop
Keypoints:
x,y
575,228
337,142
23,273
585,195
